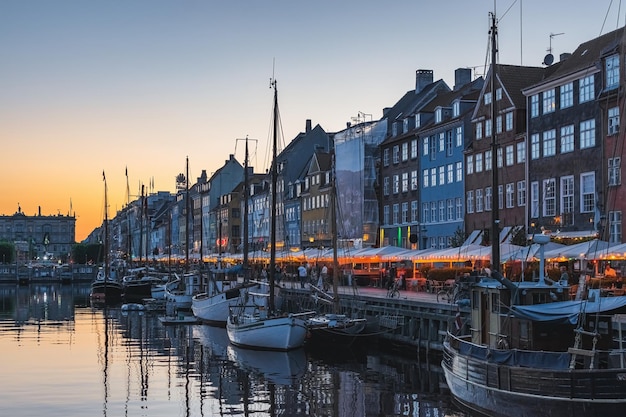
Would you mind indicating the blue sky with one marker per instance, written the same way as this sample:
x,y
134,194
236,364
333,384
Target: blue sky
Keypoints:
x,y
104,85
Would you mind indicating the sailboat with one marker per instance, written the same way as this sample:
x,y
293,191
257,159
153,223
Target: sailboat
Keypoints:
x,y
213,306
333,327
258,326
104,289
529,350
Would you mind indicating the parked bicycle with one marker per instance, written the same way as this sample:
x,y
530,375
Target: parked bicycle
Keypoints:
x,y
453,294
394,289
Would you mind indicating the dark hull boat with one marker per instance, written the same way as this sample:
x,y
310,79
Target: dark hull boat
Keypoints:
x,y
106,292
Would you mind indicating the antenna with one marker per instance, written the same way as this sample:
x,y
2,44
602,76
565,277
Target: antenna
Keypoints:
x,y
549,58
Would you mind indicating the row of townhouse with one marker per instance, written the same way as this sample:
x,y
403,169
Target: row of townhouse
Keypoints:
x,y
554,133
421,176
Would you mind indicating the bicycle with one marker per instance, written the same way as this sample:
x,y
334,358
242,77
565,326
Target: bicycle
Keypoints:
x,y
394,289
452,294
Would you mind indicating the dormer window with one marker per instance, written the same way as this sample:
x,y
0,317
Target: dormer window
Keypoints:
x,y
456,109
394,129
487,98
438,115
612,71
405,125
418,120
498,93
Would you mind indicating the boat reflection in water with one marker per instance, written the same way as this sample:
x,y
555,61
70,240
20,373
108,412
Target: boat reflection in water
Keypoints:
x,y
113,362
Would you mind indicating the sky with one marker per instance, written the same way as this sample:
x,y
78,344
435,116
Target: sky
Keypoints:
x,y
132,88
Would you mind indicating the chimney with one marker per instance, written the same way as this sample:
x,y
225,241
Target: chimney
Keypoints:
x,y
308,126
422,79
564,56
462,76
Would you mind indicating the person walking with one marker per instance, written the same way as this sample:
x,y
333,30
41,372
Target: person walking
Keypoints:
x,y
302,274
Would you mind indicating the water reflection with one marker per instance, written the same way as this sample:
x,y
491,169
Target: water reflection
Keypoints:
x,y
113,362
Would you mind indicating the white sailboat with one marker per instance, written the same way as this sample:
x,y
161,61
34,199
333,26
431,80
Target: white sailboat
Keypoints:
x,y
256,326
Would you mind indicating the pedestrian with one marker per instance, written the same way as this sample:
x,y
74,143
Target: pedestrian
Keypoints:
x,y
564,276
302,274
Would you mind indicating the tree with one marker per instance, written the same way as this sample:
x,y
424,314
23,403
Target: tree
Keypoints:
x,y
7,252
518,236
84,253
458,238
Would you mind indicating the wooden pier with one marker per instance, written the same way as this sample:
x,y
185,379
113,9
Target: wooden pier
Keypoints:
x,y
414,319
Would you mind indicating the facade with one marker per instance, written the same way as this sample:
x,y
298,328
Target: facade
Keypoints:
x,y
508,104
569,131
315,197
40,235
442,140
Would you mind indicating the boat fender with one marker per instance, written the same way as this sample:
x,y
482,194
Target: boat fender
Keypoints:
x,y
503,344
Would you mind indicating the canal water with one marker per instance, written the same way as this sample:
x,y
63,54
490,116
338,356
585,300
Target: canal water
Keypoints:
x,y
59,356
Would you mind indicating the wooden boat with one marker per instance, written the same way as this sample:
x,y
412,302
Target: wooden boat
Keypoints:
x,y
258,327
180,291
104,289
213,306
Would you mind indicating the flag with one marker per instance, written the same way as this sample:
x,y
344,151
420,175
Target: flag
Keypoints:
x,y
126,172
103,177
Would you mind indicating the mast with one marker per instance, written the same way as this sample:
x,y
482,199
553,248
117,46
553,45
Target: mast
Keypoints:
x,y
106,234
333,228
273,208
246,192
141,212
187,215
495,195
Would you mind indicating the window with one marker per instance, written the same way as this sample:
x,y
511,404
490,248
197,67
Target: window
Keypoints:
x,y
450,173
587,192
479,130
534,199
615,177
442,175
433,149
488,160
508,121
413,148
414,182
418,120
521,193
534,105
405,212
487,98
488,128
510,153
456,108
587,134
442,210
549,103
396,214
498,93
469,163
386,215
386,186
425,178
586,89
396,184
549,143
549,198
405,182
479,200
567,139
470,201
433,177
500,196
612,71
386,157
488,199
479,162
613,121
450,209
442,141
459,136
414,212
459,171
534,146
499,124
459,208
405,125
449,143
405,151
433,211
567,95
438,115
396,154
567,200
615,226
510,195
499,161
425,213
521,152
426,146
